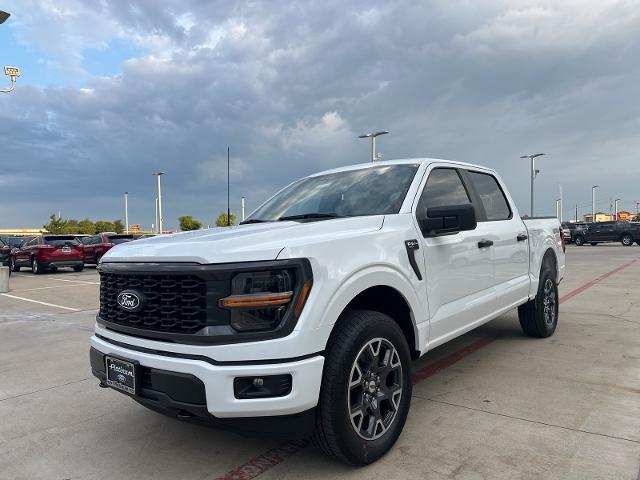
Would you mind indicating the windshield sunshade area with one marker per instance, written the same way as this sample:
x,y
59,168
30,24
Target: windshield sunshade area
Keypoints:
x,y
378,190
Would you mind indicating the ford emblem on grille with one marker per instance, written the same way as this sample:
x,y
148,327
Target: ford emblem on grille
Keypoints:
x,y
130,300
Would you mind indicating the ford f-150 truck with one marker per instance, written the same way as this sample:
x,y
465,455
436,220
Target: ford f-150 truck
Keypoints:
x,y
310,312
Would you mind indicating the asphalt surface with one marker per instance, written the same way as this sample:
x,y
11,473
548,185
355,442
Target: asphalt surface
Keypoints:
x,y
491,404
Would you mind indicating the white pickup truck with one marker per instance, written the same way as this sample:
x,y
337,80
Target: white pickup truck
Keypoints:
x,y
307,316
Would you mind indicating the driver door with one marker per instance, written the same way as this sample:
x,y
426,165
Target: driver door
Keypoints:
x,y
459,271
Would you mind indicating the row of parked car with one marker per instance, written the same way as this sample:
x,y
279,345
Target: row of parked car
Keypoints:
x,y
626,233
50,252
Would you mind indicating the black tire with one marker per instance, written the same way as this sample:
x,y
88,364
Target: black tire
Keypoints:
x,y
579,240
78,268
539,317
53,268
351,384
12,265
593,244
35,266
626,240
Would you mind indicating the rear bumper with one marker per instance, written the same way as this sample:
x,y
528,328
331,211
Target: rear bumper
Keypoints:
x,y
216,380
62,263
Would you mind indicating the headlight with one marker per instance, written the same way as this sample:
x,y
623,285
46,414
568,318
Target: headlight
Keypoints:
x,y
261,300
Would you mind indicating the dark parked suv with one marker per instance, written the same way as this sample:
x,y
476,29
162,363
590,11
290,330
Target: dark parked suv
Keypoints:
x,y
96,246
569,230
42,252
599,232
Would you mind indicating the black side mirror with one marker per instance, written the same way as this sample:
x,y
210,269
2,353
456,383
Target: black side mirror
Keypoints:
x,y
448,220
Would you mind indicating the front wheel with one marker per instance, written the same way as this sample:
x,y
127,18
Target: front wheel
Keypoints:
x,y
593,244
13,266
366,388
539,317
78,268
579,240
35,266
627,240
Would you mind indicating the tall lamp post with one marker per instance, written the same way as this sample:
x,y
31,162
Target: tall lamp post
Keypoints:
x,y
593,203
372,136
160,218
616,208
534,173
126,212
12,72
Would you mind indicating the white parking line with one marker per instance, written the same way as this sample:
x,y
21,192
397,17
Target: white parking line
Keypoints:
x,y
74,281
47,288
41,303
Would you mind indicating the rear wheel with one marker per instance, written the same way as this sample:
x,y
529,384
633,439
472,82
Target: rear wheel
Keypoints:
x,y
12,264
35,266
627,240
579,240
78,268
366,388
593,244
539,317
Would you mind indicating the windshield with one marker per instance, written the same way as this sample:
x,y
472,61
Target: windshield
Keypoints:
x,y
376,190
118,239
60,241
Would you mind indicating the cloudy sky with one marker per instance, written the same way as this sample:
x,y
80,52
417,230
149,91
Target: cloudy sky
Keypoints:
x,y
113,90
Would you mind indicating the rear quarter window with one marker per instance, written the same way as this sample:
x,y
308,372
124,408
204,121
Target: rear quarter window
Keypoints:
x,y
491,195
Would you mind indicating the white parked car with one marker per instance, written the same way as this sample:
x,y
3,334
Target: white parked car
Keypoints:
x,y
309,314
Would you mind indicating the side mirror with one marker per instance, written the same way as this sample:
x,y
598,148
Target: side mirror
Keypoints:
x,y
448,220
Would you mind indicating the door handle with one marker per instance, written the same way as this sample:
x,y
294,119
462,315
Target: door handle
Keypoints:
x,y
485,243
521,237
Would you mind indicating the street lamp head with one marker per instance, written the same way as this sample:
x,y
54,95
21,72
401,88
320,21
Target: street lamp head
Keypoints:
x,y
595,186
158,173
382,132
534,155
4,16
366,135
12,72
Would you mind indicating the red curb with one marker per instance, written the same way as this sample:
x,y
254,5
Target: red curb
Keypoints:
x,y
260,464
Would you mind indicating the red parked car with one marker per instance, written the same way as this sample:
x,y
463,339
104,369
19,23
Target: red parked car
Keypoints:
x,y
43,252
96,246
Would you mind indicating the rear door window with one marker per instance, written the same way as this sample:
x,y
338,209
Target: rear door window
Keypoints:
x,y
491,195
444,188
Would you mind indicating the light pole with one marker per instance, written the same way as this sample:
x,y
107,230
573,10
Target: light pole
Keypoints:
x,y
616,209
372,136
126,212
12,72
558,210
593,203
242,208
637,207
160,219
576,213
534,173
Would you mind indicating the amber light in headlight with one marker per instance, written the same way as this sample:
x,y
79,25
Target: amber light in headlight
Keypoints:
x,y
256,300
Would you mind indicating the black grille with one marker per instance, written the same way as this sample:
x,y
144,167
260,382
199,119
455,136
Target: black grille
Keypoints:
x,y
173,303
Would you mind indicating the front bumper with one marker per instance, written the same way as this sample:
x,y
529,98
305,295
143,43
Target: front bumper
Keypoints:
x,y
218,377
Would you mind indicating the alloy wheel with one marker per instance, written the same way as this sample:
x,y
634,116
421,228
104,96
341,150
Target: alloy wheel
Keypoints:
x,y
549,302
375,389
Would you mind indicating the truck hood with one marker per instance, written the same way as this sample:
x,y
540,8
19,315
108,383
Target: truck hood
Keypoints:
x,y
244,243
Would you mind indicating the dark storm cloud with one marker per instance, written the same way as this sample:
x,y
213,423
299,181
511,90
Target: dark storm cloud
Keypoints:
x,y
289,85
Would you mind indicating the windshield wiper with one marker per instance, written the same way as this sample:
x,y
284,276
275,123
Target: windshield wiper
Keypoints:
x,y
304,216
253,220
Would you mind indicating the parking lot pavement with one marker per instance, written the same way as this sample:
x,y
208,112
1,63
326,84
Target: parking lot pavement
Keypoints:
x,y
491,404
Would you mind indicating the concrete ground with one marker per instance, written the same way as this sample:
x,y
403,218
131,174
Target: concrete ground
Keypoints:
x,y
492,404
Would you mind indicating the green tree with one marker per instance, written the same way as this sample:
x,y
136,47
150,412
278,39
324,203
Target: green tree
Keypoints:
x,y
118,226
221,221
105,226
55,225
187,222
86,226
71,226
